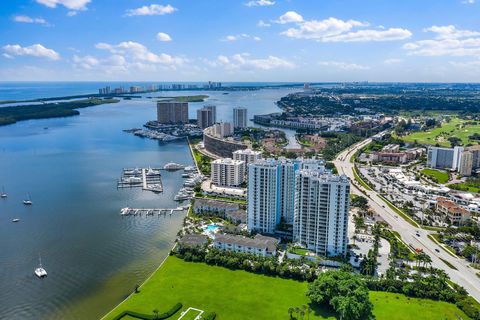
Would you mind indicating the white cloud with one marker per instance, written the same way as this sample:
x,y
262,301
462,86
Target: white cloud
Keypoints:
x,y
69,4
231,38
161,36
151,10
392,61
139,53
27,19
337,30
113,64
242,61
468,1
72,13
263,24
289,17
35,50
448,41
343,65
261,3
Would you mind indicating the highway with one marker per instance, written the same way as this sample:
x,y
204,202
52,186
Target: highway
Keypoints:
x,y
464,275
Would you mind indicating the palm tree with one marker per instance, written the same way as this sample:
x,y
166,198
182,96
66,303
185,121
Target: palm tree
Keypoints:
x,y
302,314
297,312
155,311
290,311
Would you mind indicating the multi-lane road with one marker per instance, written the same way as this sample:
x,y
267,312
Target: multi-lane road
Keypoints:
x,y
464,275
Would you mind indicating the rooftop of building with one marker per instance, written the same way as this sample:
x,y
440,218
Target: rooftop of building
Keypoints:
x,y
193,240
259,241
204,202
247,152
228,161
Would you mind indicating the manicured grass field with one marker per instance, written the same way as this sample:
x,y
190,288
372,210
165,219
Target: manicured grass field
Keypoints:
x,y
441,135
394,306
240,295
436,175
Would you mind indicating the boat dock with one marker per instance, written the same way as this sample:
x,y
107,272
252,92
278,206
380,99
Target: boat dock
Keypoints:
x,y
150,212
149,179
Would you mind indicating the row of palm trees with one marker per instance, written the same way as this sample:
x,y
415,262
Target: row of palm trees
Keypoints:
x,y
300,312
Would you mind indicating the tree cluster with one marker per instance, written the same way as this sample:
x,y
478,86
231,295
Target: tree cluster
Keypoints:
x,y
345,292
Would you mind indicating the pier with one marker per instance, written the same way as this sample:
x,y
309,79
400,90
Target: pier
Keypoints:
x,y
149,179
151,212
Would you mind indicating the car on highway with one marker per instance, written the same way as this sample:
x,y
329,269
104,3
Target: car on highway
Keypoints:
x,y
437,250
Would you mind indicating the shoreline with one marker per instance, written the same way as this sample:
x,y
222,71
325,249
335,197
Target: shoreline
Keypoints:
x,y
142,284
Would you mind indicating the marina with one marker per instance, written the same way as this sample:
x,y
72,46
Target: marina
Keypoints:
x,y
149,179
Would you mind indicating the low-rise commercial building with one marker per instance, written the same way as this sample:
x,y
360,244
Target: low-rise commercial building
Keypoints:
x,y
453,212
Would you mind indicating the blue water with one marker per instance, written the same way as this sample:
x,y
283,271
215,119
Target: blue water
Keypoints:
x,y
11,90
93,256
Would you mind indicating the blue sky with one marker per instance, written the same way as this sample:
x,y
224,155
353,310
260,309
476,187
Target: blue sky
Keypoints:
x,y
235,40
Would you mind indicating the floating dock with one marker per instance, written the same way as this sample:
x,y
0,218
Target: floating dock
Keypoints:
x,y
150,212
149,179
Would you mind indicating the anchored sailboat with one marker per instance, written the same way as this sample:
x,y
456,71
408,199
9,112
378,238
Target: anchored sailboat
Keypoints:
x,y
40,271
28,201
3,194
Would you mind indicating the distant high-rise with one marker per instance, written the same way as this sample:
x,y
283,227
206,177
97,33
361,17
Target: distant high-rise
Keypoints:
x,y
213,109
321,212
248,156
170,112
444,158
205,117
239,117
222,129
227,172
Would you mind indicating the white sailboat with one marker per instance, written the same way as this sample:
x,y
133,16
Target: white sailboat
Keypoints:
x,y
28,202
3,194
40,271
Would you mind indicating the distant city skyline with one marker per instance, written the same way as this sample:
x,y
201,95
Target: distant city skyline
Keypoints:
x,y
257,40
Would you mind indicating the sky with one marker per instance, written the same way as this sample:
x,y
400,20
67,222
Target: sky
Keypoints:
x,y
240,40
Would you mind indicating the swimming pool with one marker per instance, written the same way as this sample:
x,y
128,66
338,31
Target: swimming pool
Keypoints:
x,y
212,227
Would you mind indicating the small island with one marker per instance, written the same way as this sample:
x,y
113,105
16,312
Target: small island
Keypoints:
x,y
10,115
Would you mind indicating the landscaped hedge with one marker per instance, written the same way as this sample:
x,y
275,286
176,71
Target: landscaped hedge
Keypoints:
x,y
210,316
142,316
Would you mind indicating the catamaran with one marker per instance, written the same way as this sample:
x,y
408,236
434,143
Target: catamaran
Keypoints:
x,y
28,202
40,271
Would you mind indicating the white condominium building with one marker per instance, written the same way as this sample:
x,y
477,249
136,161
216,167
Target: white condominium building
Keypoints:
x,y
227,172
240,117
271,191
321,212
262,196
248,156
222,129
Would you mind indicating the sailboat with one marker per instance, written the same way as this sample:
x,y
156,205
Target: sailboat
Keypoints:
x,y
28,202
40,271
3,194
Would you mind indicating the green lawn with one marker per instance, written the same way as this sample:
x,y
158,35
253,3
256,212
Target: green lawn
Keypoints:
x,y
441,135
242,295
436,175
394,306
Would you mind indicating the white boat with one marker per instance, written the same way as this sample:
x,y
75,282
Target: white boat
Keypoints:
x,y
28,202
15,220
173,166
3,194
40,271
